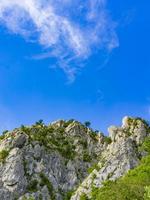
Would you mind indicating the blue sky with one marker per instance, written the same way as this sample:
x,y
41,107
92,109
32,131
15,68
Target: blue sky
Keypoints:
x,y
84,60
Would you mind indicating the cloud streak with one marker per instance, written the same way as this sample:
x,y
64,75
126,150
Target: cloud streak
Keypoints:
x,y
68,30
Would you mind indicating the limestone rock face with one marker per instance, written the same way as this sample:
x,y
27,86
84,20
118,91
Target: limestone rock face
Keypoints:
x,y
119,157
13,180
47,162
19,141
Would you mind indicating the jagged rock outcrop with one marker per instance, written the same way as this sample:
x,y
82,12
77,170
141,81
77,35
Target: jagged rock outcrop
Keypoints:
x,y
119,157
48,162
45,162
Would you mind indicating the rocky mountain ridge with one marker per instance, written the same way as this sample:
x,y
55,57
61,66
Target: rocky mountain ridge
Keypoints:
x,y
66,159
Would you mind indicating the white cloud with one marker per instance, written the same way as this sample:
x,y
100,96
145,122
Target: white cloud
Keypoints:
x,y
68,30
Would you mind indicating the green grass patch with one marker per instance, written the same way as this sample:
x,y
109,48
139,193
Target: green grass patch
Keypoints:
x,y
130,187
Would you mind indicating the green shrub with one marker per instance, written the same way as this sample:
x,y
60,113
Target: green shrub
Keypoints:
x,y
39,123
32,186
94,193
147,193
95,166
45,181
29,198
93,135
3,155
87,124
134,122
2,137
54,139
25,129
67,151
86,157
107,140
67,123
40,197
84,197
83,143
40,135
143,120
68,195
146,145
50,129
3,134
61,130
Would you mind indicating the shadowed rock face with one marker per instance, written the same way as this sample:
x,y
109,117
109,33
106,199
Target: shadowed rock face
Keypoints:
x,y
47,162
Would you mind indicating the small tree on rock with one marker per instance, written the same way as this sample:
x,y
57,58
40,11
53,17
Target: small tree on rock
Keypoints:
x,y
40,122
87,124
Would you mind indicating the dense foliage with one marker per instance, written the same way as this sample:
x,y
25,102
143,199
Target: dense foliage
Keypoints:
x,y
52,138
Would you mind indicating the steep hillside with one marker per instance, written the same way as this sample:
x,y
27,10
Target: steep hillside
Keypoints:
x,y
47,162
67,160
130,143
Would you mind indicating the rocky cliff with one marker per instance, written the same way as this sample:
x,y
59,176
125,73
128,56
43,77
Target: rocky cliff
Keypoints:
x,y
66,159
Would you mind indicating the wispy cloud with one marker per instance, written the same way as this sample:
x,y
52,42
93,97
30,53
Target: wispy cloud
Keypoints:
x,y
69,30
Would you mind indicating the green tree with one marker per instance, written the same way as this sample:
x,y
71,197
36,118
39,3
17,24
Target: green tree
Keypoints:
x,y
40,122
87,124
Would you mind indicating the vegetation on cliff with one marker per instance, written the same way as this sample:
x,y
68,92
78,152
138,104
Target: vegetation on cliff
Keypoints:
x,y
135,185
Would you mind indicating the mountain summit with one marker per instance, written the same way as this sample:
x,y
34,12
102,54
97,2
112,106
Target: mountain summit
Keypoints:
x,y
68,160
